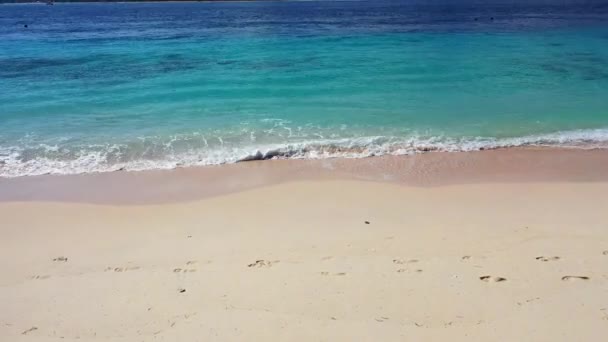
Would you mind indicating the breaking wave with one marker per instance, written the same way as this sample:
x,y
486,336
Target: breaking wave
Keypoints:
x,y
39,159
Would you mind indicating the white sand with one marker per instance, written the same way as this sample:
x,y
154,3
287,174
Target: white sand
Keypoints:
x,y
413,273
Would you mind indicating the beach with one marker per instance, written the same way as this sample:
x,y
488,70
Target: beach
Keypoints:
x,y
304,171
343,253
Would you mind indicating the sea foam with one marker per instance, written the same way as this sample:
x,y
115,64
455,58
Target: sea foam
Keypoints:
x,y
16,161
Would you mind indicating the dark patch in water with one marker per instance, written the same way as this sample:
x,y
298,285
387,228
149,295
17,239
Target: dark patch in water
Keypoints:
x,y
25,64
173,56
95,67
593,74
176,64
589,58
414,40
226,62
590,77
554,68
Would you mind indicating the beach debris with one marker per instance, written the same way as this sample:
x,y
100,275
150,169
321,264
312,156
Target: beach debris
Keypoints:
x,y
492,279
466,257
366,222
60,259
180,290
569,278
542,258
29,330
605,252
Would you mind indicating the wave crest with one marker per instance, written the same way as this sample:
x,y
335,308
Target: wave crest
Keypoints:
x,y
22,160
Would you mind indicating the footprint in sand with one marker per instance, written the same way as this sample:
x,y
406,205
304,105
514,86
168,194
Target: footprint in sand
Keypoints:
x,y
571,278
41,277
29,330
528,301
401,270
184,270
492,279
263,263
190,262
122,269
542,258
60,259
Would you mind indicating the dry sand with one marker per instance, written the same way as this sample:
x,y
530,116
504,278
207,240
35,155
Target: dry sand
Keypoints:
x,y
313,260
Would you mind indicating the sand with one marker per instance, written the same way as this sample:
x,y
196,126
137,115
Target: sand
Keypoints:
x,y
514,165
324,259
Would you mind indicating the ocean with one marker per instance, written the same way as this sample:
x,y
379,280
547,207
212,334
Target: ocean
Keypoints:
x,y
135,86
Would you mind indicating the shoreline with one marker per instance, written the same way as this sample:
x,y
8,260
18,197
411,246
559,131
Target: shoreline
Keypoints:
x,y
512,165
25,161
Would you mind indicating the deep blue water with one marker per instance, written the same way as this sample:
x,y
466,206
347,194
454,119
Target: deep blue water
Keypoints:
x,y
99,87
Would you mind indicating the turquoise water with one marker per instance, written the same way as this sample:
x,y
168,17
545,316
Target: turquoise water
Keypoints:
x,y
101,87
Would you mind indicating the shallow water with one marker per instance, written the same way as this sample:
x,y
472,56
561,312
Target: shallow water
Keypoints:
x,y
99,87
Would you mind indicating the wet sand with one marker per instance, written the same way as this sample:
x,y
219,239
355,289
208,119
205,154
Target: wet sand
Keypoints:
x,y
509,247
516,165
